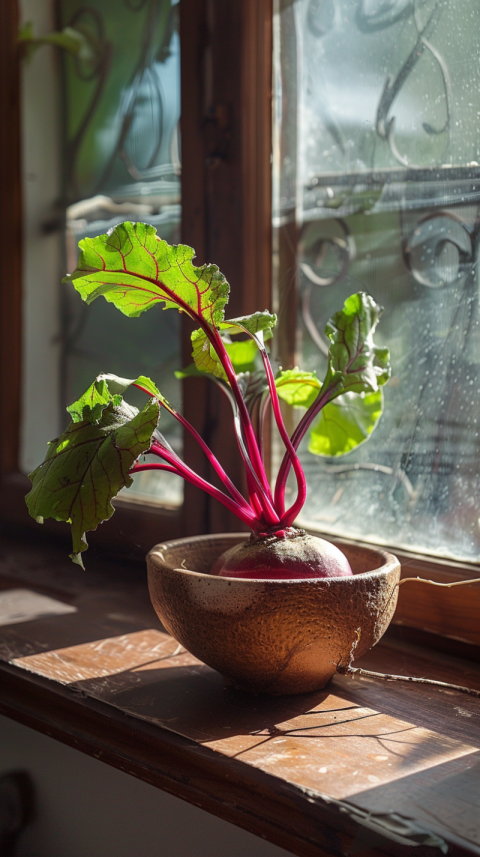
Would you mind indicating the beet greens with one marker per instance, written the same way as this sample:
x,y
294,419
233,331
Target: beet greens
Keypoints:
x,y
98,453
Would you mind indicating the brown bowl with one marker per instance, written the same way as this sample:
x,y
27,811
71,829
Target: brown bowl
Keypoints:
x,y
271,636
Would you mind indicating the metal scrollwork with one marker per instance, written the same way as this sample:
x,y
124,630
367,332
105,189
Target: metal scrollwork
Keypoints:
x,y
115,106
378,14
385,125
344,251
144,87
321,16
439,251
88,21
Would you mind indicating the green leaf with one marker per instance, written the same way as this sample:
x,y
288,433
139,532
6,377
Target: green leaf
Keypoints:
x,y
25,32
148,385
92,404
107,390
205,356
298,388
69,39
135,270
356,364
190,371
255,323
87,466
242,355
345,423
72,41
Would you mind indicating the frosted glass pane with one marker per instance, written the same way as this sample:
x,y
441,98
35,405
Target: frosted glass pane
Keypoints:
x,y
121,158
377,147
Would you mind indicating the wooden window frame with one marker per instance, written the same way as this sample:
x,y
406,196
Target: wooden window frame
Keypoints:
x,y
226,212
226,131
149,523
226,216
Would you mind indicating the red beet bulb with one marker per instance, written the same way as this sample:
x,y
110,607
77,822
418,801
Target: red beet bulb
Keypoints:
x,y
291,555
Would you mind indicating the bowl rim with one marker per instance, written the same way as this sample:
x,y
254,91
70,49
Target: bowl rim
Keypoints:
x,y
390,564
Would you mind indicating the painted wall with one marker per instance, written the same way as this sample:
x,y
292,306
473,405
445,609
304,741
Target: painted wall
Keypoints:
x,y
42,257
85,808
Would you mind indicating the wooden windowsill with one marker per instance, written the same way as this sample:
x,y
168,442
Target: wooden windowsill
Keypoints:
x,y
362,766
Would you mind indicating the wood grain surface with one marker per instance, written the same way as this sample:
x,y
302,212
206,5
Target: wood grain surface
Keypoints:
x,y
362,766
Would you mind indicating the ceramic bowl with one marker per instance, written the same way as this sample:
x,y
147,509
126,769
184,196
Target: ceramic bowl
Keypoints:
x,y
271,636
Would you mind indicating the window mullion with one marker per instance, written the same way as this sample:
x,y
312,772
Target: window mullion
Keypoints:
x,y
226,143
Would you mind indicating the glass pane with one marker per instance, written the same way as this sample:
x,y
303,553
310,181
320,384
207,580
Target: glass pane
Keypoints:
x,y
377,176
121,158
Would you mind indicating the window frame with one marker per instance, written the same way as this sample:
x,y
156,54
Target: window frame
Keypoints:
x,y
225,126
149,524
226,212
450,613
226,133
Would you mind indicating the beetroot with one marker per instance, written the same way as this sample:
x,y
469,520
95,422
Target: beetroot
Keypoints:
x,y
105,444
288,555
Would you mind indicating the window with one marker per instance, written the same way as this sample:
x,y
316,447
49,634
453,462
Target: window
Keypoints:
x,y
104,139
378,183
359,202
118,144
